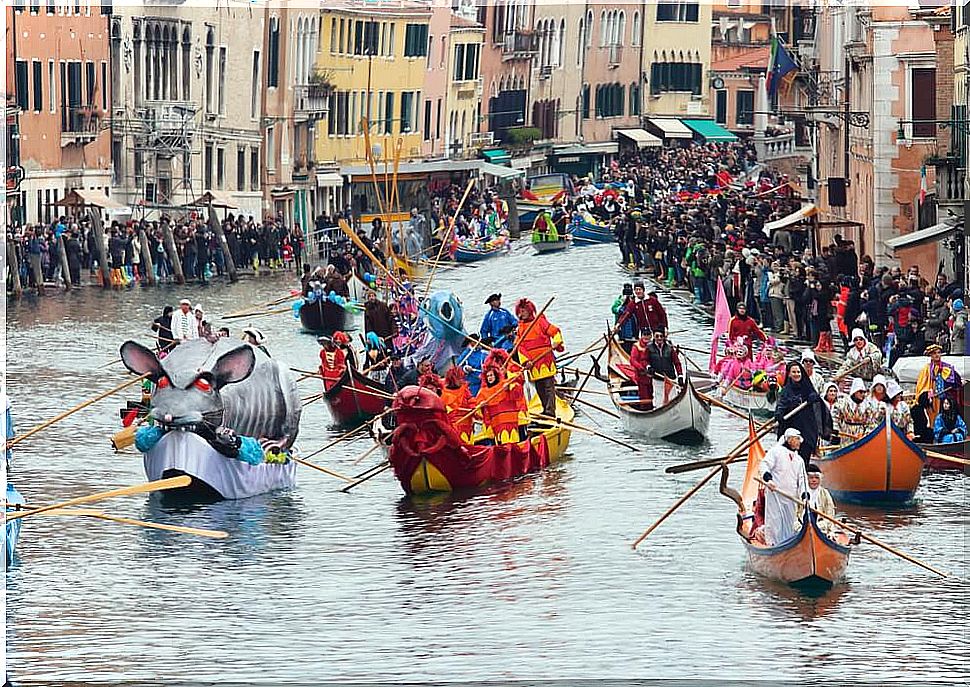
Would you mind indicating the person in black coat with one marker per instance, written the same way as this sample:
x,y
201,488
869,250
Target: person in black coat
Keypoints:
x,y
73,249
813,421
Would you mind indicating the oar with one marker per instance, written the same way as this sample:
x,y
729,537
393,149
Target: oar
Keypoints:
x,y
366,453
943,456
157,485
693,490
711,462
44,425
596,407
320,468
91,513
606,344
445,241
843,375
858,533
546,420
347,435
572,390
723,406
255,315
243,312
367,474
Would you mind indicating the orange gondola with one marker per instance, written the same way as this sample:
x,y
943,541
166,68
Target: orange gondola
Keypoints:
x,y
881,468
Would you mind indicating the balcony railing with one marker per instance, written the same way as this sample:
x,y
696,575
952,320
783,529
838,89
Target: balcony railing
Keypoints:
x,y
776,147
616,56
520,44
79,125
950,177
311,101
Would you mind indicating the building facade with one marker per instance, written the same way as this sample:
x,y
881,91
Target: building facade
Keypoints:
x,y
57,56
507,54
465,41
677,58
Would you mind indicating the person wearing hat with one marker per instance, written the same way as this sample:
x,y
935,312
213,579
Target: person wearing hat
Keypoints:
x,y
333,362
812,421
184,325
863,357
745,328
856,414
470,360
623,323
537,342
819,498
877,390
498,324
254,338
782,468
814,376
204,328
899,409
936,380
162,326
958,328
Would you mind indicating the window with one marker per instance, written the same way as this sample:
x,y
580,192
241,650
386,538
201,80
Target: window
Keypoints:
x,y
609,100
333,36
270,148
923,106
467,61
104,87
634,99
35,6
92,84
254,169
139,171
390,40
720,107
52,90
186,64
371,38
407,105
744,107
677,11
209,56
38,70
427,120
207,167
340,43
635,37
678,77
254,92
222,80
416,40
240,168
23,95
273,57
437,124
221,167
585,101
50,7
19,5
388,113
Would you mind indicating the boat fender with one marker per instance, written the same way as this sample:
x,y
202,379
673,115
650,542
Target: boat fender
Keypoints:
x,y
147,437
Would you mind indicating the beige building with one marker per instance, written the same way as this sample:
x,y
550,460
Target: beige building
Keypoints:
x,y
186,116
464,85
677,58
558,70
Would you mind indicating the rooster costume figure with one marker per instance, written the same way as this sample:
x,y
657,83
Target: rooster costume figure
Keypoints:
x,y
458,402
501,400
535,342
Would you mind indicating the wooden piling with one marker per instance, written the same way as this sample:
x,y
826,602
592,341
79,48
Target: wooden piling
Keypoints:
x,y
13,264
168,240
216,227
65,268
147,263
100,250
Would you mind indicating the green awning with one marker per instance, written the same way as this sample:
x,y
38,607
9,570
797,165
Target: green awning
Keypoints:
x,y
709,130
497,156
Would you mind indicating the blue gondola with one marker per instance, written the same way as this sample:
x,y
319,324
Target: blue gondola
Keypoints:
x,y
14,499
589,232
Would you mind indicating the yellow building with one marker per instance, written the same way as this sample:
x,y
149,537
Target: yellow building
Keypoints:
x,y
375,57
464,85
677,58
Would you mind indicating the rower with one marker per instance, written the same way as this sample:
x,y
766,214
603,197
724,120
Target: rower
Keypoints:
x,y
470,361
624,323
863,356
877,390
782,468
254,338
819,498
333,361
856,415
498,324
501,401
743,327
458,402
535,342
900,412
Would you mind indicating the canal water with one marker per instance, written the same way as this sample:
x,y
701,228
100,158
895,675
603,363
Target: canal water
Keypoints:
x,y
533,580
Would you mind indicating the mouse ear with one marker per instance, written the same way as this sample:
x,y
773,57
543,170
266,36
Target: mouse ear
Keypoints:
x,y
234,366
141,360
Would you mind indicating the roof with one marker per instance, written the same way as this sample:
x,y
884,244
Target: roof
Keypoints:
x,y
643,139
803,213
756,58
81,196
435,166
915,238
462,23
710,130
671,128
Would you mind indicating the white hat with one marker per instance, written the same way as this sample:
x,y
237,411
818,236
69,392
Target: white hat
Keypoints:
x,y
807,354
878,379
198,308
255,333
185,301
791,432
857,385
893,389
857,334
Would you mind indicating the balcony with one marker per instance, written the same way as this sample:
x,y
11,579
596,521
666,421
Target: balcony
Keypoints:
x,y
776,147
311,101
520,44
950,176
79,125
468,90
616,56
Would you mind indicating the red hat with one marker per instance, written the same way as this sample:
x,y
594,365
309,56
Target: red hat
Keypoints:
x,y
454,377
431,381
496,358
527,305
341,338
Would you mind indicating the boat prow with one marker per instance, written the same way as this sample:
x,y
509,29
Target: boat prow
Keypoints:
x,y
354,398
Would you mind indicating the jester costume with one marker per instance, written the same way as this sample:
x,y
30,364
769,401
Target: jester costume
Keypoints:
x,y
458,403
936,380
501,398
535,341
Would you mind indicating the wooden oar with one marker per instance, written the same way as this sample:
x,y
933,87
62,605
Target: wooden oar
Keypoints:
x,y
711,462
244,311
257,314
347,435
367,474
91,513
943,456
840,377
366,453
546,420
44,425
693,490
858,533
607,411
572,389
446,240
157,485
723,406
320,468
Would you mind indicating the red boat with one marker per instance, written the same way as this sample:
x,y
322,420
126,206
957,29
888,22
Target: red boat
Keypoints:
x,y
428,455
957,449
353,398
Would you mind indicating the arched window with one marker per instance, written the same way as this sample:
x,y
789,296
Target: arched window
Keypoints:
x,y
635,29
589,29
561,39
604,29
582,43
186,64
621,29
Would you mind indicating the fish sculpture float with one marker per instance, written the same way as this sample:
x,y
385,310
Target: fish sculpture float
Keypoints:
x,y
224,413
443,335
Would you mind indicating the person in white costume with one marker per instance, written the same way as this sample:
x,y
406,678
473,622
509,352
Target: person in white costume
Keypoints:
x,y
782,469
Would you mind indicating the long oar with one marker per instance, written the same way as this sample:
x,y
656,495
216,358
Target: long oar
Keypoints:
x,y
693,490
367,474
322,469
347,435
44,425
546,420
269,304
858,533
711,462
446,240
91,513
278,311
723,406
943,456
157,485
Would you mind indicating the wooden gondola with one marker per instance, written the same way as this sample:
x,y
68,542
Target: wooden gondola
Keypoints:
x,y
323,317
428,456
683,418
959,449
811,558
353,398
761,403
543,247
881,468
584,232
470,254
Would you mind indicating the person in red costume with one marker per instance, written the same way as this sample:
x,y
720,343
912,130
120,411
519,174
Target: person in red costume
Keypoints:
x,y
501,398
333,362
656,315
743,327
640,362
458,401
536,341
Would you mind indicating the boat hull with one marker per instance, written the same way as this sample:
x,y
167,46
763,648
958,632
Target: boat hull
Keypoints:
x,y
809,559
587,232
465,254
959,449
746,400
882,468
542,247
12,527
229,478
352,400
323,317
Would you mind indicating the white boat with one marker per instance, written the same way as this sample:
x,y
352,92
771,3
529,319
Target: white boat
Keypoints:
x,y
745,400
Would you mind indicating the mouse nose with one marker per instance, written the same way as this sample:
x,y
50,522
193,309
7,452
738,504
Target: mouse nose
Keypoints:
x,y
168,417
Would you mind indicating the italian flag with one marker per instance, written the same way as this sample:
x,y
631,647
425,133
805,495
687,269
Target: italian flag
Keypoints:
x,y
922,184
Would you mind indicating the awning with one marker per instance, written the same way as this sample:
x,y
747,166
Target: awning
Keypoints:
x,y
601,148
329,180
500,171
497,156
642,139
283,193
799,215
81,196
671,128
933,233
216,199
710,130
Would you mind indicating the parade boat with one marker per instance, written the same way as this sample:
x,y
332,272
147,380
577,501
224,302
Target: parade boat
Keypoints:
x,y
323,317
543,192
429,457
15,502
811,559
473,254
881,468
353,398
224,413
586,232
957,449
542,247
682,419
755,401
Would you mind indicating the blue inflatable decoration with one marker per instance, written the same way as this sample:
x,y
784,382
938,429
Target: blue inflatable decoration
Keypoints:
x,y
250,451
147,437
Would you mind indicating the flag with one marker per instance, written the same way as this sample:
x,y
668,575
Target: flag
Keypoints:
x,y
722,318
780,65
922,185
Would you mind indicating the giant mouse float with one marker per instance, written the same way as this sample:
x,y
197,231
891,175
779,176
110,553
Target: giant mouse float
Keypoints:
x,y
224,413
